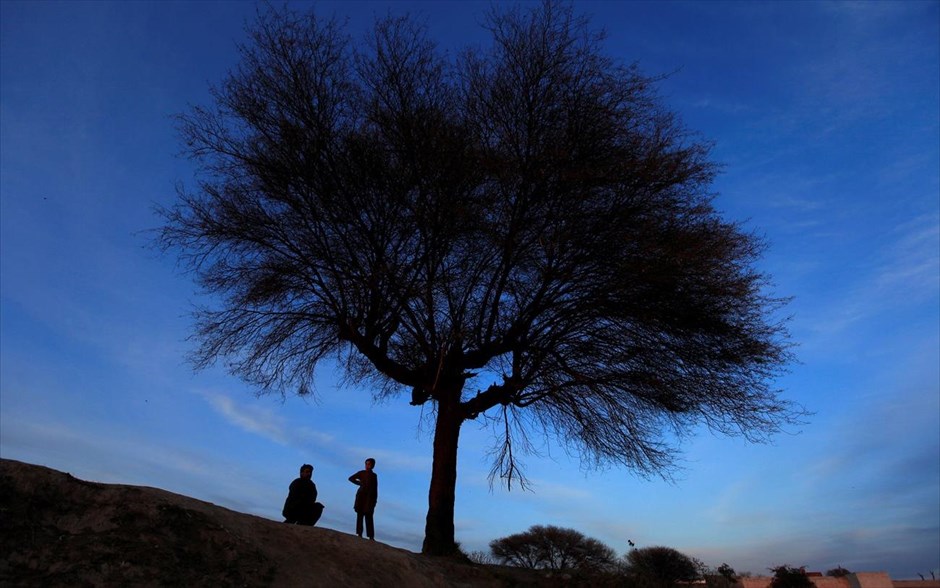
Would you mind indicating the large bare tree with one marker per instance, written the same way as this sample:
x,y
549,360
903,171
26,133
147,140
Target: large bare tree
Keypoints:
x,y
522,233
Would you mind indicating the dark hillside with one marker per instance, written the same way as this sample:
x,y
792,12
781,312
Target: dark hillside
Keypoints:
x,y
58,530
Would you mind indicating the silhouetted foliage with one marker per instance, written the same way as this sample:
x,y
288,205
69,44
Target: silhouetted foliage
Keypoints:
x,y
554,548
727,572
661,567
786,576
723,576
838,572
482,558
522,235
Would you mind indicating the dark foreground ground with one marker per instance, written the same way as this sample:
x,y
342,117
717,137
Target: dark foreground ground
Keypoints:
x,y
58,530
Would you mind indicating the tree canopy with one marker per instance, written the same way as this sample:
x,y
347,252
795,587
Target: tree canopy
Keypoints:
x,y
786,576
662,567
522,233
554,548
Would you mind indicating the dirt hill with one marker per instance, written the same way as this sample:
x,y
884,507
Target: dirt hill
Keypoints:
x,y
58,530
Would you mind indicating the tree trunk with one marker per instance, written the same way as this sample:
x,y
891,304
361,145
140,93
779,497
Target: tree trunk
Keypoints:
x,y
439,528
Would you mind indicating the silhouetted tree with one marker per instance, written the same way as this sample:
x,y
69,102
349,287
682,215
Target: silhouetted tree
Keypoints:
x,y
523,234
838,572
786,576
661,566
554,548
723,576
727,572
484,558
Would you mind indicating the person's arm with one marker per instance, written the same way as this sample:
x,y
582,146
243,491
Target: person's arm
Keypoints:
x,y
355,479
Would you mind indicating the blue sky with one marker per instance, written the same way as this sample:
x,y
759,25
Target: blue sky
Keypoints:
x,y
825,115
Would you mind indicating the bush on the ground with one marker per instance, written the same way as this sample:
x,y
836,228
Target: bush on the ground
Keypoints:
x,y
786,576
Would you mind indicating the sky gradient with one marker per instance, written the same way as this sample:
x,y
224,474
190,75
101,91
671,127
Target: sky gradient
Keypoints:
x,y
825,117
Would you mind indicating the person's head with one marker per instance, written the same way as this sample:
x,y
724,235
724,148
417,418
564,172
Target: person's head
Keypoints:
x,y
306,470
370,463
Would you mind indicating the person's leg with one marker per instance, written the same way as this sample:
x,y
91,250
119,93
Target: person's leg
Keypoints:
x,y
359,524
370,526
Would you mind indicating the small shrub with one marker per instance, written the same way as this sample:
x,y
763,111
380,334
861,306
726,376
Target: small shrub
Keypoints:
x,y
789,577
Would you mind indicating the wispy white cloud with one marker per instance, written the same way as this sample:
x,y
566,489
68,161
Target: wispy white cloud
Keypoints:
x,y
254,420
909,270
905,272
871,47
265,422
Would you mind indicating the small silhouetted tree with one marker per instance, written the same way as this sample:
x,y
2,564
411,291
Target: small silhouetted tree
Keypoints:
x,y
661,567
838,572
727,572
723,576
554,548
523,235
786,576
482,558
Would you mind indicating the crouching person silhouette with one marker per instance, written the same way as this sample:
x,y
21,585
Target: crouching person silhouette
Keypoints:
x,y
366,498
301,506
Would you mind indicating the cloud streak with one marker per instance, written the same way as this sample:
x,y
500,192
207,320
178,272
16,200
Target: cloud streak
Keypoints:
x,y
267,424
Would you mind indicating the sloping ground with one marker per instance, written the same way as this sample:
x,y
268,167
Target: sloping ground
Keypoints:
x,y
58,530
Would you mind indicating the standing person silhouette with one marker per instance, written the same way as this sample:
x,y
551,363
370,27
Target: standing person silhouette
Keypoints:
x,y
366,497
